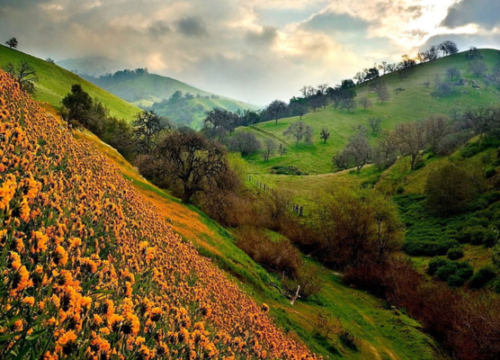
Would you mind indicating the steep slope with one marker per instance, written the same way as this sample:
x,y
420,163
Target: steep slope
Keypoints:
x,y
411,102
55,82
91,269
154,91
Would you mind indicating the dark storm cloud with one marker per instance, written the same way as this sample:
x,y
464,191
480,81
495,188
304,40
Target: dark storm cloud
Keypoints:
x,y
192,26
485,13
159,29
266,36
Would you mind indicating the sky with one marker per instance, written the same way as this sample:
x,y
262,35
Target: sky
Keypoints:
x,y
252,50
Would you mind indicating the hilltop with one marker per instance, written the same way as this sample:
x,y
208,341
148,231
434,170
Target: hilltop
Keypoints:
x,y
182,103
54,83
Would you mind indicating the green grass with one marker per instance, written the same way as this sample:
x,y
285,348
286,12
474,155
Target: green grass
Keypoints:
x,y
55,82
413,104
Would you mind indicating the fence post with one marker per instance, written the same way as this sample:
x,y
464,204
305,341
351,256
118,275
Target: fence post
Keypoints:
x,y
301,211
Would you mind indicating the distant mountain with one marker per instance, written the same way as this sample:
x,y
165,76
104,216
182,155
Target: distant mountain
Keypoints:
x,y
182,103
93,66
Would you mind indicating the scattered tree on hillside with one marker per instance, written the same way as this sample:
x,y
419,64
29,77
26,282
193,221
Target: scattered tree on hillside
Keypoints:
x,y
348,104
325,134
410,140
78,104
219,122
448,47
24,74
277,109
148,127
191,162
385,152
12,43
281,149
478,67
244,143
357,153
365,103
436,128
453,73
268,149
298,131
375,125
380,88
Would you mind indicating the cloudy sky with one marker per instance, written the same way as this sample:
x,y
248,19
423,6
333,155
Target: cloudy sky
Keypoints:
x,y
252,50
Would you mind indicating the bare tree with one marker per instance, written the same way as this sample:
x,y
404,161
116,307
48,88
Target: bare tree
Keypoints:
x,y
375,125
244,143
453,72
348,104
268,149
298,130
281,149
357,153
365,103
24,74
448,47
380,88
385,152
436,129
478,67
410,140
325,134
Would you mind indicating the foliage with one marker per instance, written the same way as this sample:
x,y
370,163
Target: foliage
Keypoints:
x,y
482,277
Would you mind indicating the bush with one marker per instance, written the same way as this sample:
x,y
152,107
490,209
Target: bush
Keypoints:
x,y
455,273
429,248
490,172
474,234
482,277
435,264
497,286
490,237
419,165
455,253
348,340
287,170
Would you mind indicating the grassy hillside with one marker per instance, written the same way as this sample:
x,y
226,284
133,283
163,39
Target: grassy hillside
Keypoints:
x,y
151,89
413,103
55,82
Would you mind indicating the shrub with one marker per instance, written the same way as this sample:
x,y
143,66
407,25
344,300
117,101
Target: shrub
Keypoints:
x,y
419,165
474,234
490,172
429,248
435,264
455,253
497,286
482,277
490,237
455,273
348,340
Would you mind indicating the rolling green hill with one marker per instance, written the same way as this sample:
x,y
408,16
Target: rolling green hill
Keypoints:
x,y
154,91
55,82
411,104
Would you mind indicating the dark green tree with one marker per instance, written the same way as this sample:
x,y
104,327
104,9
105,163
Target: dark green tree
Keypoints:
x,y
78,104
148,126
12,43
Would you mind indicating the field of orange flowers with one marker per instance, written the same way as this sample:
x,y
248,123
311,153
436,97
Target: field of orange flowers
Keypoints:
x,y
90,270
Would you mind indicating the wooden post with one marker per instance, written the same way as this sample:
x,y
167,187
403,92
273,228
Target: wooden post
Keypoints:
x,y
301,211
